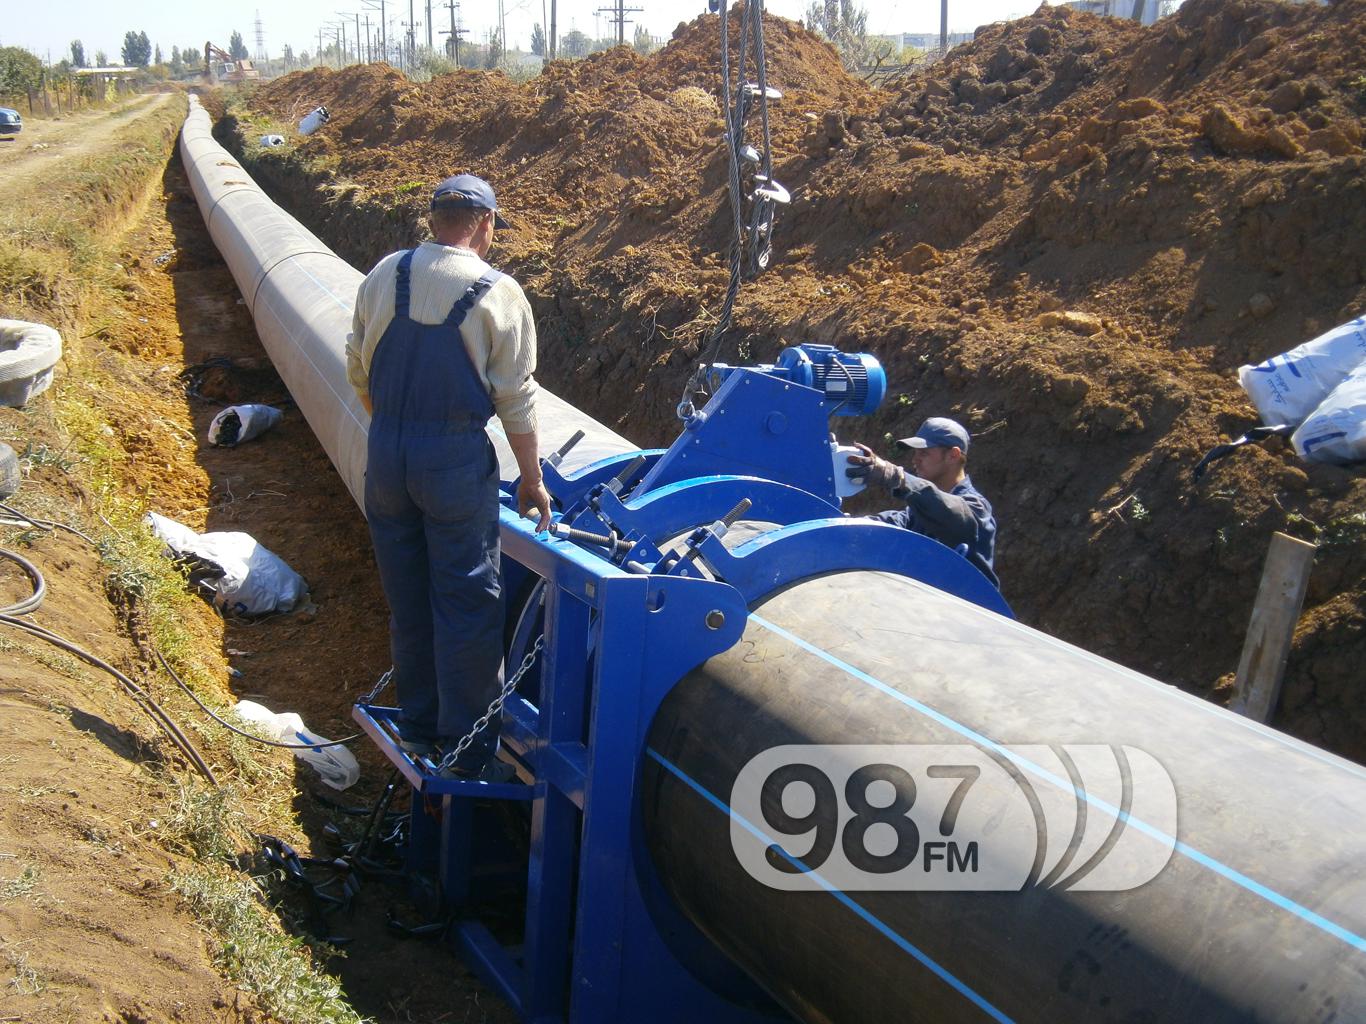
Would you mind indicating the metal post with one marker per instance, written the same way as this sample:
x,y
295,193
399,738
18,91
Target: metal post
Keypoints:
x,y
429,25
943,26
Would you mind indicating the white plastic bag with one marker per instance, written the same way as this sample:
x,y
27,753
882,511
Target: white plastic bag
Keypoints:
x,y
1288,387
314,120
1336,430
254,580
336,765
238,423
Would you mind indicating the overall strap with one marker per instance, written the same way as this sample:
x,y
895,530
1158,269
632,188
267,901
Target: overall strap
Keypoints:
x,y
473,294
401,285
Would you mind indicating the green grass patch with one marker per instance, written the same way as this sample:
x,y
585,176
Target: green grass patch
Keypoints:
x,y
58,264
251,949
21,885
54,227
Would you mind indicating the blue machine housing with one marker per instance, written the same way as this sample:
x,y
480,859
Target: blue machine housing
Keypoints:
x,y
623,611
853,383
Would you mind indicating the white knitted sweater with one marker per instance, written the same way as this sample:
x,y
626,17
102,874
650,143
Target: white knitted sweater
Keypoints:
x,y
499,332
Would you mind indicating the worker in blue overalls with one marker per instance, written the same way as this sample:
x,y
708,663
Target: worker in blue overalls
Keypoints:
x,y
940,500
440,343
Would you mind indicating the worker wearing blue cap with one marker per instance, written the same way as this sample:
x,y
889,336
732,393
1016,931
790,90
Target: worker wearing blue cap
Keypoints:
x,y
941,502
441,342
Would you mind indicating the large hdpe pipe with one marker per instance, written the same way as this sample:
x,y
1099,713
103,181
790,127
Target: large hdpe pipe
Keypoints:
x,y
1258,915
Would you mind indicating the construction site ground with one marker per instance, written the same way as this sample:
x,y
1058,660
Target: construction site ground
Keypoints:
x,y
1068,234
97,813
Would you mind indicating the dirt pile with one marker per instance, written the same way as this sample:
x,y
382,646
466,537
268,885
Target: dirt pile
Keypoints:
x,y
1067,234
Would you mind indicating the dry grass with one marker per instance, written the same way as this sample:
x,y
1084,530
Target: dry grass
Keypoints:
x,y
58,265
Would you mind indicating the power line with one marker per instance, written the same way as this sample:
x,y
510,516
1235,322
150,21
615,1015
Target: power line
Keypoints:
x,y
618,18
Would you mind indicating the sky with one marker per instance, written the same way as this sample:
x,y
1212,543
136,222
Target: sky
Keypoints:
x,y
48,29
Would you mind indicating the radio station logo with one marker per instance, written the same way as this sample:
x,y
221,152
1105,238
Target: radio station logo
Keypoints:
x,y
953,817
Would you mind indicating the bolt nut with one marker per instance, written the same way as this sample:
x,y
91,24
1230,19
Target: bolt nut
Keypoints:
x,y
716,619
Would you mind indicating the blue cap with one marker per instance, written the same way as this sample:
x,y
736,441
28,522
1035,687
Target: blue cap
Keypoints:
x,y
939,432
465,190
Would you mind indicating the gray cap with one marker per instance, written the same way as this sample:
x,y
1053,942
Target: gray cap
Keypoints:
x,y
938,432
465,190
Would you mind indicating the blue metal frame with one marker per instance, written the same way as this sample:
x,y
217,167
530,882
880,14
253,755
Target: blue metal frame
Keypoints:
x,y
615,643
756,425
581,750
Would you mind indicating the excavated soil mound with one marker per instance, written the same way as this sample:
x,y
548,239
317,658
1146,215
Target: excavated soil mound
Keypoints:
x,y
1067,234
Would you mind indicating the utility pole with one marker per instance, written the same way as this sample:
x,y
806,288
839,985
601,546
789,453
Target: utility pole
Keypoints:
x,y
412,42
369,50
319,54
378,5
429,25
550,42
342,25
617,16
454,33
943,26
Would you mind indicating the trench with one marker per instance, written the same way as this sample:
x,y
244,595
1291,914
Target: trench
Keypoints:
x,y
1002,683
282,490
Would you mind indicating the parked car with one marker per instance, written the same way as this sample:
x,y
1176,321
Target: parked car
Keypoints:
x,y
10,121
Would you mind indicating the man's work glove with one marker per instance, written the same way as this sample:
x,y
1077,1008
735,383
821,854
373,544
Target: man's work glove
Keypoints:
x,y
873,470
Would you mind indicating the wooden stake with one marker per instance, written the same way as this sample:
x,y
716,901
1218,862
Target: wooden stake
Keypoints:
x,y
1279,600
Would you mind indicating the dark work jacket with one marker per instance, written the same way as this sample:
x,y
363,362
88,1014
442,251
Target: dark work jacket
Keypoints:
x,y
961,519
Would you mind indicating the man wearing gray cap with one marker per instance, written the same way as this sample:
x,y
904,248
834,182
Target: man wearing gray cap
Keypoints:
x,y
441,342
941,502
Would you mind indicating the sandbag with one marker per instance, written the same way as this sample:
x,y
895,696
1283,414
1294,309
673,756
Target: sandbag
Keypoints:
x,y
253,580
238,423
28,352
1288,387
1336,431
314,120
336,764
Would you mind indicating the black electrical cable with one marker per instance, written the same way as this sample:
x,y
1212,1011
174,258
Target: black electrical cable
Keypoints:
x,y
9,615
155,712
144,700
31,602
232,728
45,524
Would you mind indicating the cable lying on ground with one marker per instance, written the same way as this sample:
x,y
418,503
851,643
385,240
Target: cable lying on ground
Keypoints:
x,y
241,732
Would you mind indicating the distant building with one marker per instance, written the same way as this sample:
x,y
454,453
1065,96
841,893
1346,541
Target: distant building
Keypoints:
x,y
930,40
1151,10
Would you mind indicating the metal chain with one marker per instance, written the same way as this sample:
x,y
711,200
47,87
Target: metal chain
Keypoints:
x,y
495,707
378,688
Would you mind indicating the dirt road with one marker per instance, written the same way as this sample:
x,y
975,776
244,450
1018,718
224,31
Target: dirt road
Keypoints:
x,y
43,144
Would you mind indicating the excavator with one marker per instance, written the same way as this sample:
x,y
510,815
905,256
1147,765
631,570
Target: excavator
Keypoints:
x,y
219,65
